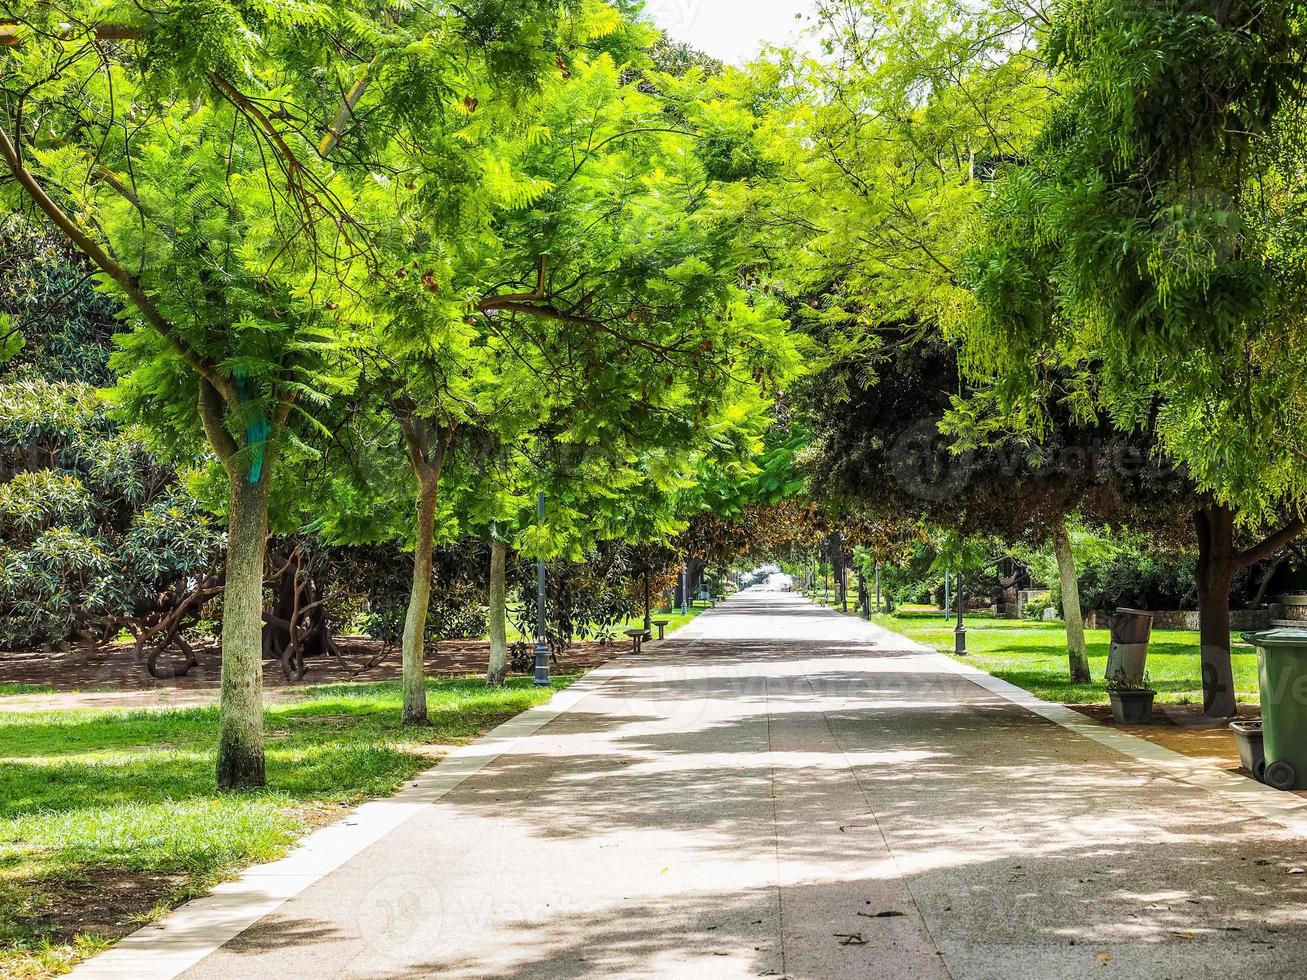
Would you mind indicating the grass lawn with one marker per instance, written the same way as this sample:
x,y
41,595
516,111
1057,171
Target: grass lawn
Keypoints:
x,y
109,817
674,622
1033,655
25,689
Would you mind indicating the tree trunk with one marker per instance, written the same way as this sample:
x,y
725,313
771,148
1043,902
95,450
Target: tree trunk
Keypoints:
x,y
415,622
240,725
1077,658
1217,563
498,628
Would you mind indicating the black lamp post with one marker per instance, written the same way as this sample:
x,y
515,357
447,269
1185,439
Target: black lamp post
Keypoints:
x,y
542,639
960,631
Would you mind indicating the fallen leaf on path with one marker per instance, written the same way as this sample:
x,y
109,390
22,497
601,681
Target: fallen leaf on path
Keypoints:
x,y
850,938
1103,957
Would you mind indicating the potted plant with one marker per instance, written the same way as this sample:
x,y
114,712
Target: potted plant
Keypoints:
x,y
1132,699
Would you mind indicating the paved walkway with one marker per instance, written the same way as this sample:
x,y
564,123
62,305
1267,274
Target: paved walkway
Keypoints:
x,y
784,791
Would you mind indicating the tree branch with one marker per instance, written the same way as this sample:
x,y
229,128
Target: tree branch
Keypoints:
x,y
211,417
10,36
1271,544
129,284
337,128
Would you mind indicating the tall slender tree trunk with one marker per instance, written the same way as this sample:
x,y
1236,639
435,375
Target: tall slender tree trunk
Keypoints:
x,y
1077,657
240,725
497,625
1217,563
419,600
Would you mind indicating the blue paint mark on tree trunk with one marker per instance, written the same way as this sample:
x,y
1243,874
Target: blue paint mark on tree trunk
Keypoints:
x,y
257,429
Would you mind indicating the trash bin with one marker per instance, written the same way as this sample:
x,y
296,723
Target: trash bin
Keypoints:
x,y
1127,657
1252,754
1282,676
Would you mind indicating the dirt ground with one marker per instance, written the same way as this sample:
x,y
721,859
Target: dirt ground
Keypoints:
x,y
1184,729
110,677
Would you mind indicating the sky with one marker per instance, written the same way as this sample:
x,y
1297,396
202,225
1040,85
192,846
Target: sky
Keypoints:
x,y
730,30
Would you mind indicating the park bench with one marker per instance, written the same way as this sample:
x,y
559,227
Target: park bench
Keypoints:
x,y
662,625
638,636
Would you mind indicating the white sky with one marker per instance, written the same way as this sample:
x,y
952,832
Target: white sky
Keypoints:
x,y
731,30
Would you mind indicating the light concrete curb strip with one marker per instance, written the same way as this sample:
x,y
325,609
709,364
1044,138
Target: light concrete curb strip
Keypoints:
x,y
1286,809
193,931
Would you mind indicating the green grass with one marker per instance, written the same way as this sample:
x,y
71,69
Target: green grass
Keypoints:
x,y
90,799
674,622
25,689
1032,655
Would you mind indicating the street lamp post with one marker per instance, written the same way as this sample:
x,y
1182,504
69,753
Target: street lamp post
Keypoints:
x,y
946,596
685,590
960,631
542,639
648,613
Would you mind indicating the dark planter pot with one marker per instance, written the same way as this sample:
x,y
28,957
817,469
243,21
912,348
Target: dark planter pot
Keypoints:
x,y
1252,756
1132,707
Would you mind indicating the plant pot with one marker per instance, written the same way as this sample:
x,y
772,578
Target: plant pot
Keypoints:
x,y
1252,755
1132,707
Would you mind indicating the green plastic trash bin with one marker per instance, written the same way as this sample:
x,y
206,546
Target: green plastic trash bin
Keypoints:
x,y
1282,676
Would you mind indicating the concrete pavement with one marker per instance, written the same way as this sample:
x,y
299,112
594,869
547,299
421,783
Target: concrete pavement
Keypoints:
x,y
780,790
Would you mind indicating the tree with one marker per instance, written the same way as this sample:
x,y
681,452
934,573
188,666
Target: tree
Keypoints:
x,y
591,295
1148,251
883,149
910,449
195,163
890,141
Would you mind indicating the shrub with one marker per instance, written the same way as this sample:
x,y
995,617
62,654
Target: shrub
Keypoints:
x,y
1035,606
93,529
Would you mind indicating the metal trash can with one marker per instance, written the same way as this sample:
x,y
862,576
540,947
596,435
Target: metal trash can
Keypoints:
x,y
1252,753
1282,677
1127,657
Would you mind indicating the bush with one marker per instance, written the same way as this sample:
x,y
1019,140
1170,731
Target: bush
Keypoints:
x,y
585,600
93,529
1035,606
367,589
1124,569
